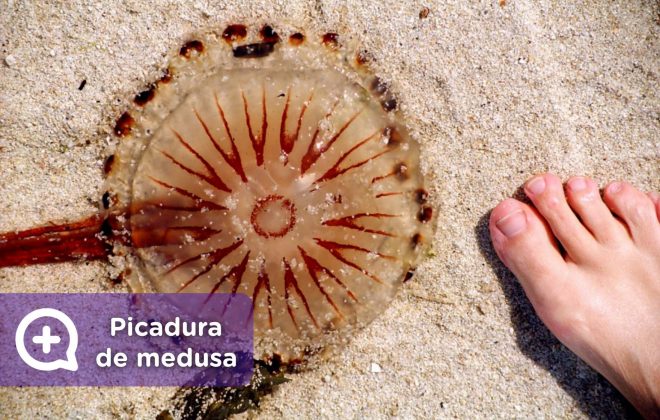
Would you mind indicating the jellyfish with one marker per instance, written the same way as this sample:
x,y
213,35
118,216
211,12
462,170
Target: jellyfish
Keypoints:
x,y
274,166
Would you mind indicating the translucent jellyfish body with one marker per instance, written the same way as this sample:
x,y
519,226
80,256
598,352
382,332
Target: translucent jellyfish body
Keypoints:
x,y
277,168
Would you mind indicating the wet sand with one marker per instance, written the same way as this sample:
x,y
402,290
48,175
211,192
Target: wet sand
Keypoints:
x,y
494,91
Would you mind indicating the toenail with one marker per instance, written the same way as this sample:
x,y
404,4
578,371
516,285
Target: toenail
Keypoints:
x,y
536,186
512,224
615,187
577,184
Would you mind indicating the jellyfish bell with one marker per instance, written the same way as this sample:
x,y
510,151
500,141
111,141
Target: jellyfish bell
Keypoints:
x,y
277,167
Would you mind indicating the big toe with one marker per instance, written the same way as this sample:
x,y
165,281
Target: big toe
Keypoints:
x,y
524,242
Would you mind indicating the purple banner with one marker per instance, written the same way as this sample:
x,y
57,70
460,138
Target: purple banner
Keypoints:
x,y
125,339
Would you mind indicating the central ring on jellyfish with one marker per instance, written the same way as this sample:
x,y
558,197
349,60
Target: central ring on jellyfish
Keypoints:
x,y
273,216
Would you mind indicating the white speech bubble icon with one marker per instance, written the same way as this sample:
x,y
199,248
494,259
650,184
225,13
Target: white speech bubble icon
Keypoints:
x,y
70,363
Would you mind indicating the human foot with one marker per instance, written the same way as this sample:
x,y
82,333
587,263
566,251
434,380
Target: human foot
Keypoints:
x,y
600,292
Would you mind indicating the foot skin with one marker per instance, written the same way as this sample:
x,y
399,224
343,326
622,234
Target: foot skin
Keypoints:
x,y
601,295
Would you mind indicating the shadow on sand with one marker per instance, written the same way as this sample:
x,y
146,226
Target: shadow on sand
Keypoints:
x,y
592,393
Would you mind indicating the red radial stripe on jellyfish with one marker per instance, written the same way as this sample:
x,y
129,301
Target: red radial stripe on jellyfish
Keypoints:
x,y
215,256
197,199
400,171
233,159
314,150
214,179
388,194
263,281
291,283
351,222
287,141
314,267
194,173
258,143
236,273
334,171
335,249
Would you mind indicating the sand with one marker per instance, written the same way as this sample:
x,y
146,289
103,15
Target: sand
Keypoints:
x,y
495,91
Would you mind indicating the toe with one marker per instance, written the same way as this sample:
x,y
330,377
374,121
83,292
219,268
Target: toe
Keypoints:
x,y
547,194
635,209
525,244
584,198
655,197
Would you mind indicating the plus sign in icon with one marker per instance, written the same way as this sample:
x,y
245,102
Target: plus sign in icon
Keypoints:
x,y
46,340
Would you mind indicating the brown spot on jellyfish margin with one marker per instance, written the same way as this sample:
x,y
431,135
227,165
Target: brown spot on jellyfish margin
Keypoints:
x,y
283,179
378,86
392,137
107,165
330,39
234,33
142,98
190,46
389,104
268,34
166,77
105,200
296,38
425,214
363,57
401,171
421,196
382,90
124,125
416,240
